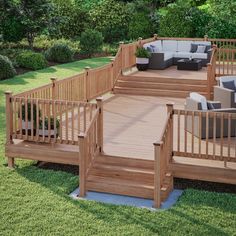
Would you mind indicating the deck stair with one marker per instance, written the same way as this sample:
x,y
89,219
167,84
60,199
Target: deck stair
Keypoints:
x,y
157,86
125,176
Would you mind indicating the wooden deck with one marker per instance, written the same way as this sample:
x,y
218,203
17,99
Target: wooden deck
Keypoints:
x,y
133,123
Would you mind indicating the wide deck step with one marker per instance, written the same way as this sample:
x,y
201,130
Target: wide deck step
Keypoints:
x,y
162,80
154,92
160,86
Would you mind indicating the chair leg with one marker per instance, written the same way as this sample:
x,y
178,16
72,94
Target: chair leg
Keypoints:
x,y
11,162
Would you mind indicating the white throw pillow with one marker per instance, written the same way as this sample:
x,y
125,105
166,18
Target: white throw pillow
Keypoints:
x,y
199,98
201,49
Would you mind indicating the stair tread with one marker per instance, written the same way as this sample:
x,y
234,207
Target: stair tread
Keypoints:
x,y
102,166
154,90
160,83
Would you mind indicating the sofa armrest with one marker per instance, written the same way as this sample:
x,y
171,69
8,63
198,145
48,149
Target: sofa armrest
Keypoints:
x,y
225,96
227,110
215,104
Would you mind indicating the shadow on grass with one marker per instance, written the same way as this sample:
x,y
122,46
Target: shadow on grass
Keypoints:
x,y
195,209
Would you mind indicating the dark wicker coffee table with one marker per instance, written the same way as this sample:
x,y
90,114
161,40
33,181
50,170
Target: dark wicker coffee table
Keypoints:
x,y
186,64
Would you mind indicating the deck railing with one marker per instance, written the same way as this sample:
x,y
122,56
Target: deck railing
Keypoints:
x,y
225,62
47,120
205,135
163,155
90,145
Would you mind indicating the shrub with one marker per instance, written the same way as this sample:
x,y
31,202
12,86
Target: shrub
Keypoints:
x,y
6,68
142,53
31,60
91,42
59,53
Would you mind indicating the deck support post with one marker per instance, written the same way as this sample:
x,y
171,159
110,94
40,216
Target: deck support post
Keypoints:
x,y
82,164
170,110
9,125
100,123
86,83
157,175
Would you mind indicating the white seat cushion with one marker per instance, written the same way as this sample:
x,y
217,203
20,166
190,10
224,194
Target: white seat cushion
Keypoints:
x,y
184,46
169,45
199,98
199,55
167,55
182,54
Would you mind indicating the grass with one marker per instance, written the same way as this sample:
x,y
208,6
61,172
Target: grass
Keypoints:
x,y
35,201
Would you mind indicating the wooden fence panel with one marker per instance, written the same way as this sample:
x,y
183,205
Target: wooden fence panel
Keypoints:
x,y
205,135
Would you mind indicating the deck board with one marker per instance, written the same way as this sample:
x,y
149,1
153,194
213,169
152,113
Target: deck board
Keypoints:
x,y
172,72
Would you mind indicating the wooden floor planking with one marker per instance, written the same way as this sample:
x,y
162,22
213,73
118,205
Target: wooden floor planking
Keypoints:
x,y
133,123
172,72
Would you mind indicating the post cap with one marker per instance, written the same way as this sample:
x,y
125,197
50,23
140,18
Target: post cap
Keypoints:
x,y
140,38
87,68
112,59
170,104
8,92
81,135
121,42
155,35
53,79
99,99
159,143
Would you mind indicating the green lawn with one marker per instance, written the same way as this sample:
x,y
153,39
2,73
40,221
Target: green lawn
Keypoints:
x,y
35,201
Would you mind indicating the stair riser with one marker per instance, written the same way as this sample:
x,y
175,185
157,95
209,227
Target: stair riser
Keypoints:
x,y
122,190
159,86
163,80
152,93
125,175
128,162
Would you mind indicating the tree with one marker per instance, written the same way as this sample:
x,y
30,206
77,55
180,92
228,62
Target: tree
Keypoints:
x,y
25,18
35,16
70,19
112,19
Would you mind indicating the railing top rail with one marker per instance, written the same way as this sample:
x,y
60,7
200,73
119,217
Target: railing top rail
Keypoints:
x,y
163,132
222,40
225,112
33,90
53,101
92,121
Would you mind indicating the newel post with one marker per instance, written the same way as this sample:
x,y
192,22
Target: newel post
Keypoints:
x,y
122,54
205,37
9,125
157,174
53,80
155,36
209,80
100,123
170,110
140,42
112,74
82,164
87,83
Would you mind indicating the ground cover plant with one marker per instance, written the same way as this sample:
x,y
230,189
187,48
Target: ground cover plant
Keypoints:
x,y
35,201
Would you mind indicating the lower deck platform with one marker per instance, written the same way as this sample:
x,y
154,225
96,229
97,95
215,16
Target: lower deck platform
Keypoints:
x,y
131,125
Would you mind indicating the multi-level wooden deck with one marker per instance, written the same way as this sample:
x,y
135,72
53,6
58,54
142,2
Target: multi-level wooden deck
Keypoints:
x,y
131,144
169,82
